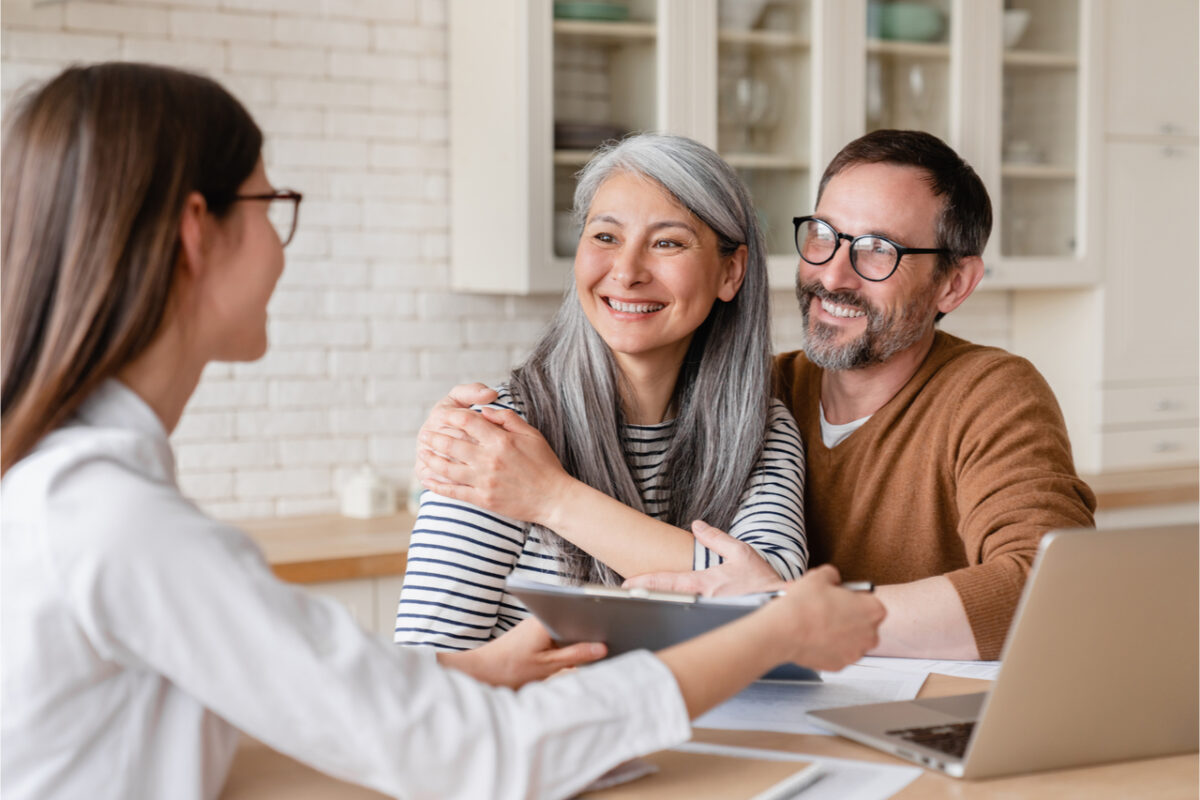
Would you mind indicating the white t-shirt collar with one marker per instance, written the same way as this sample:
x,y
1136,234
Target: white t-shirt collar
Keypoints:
x,y
833,435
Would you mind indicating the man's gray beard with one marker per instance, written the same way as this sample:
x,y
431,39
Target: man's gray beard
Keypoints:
x,y
884,336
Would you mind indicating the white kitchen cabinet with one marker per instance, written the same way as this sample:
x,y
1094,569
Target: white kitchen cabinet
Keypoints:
x,y
371,601
1149,447
777,87
1152,80
1125,359
1151,337
1152,282
387,597
358,596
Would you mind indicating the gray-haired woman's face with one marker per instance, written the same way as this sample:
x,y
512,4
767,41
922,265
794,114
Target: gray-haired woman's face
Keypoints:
x,y
647,273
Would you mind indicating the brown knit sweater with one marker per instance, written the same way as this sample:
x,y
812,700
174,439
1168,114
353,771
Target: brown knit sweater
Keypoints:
x,y
959,474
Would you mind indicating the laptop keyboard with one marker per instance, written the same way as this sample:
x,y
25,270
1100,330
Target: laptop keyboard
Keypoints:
x,y
951,738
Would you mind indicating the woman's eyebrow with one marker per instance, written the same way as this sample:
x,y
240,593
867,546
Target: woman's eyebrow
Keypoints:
x,y
653,227
609,218
671,223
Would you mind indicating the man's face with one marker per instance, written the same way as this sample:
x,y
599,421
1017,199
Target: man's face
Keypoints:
x,y
850,322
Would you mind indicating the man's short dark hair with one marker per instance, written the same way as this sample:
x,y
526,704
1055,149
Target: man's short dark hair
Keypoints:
x,y
965,222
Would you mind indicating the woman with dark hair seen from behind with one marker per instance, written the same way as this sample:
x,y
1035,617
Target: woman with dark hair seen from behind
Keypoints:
x,y
139,634
648,406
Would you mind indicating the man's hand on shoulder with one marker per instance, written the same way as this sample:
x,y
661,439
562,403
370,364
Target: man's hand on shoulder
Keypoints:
x,y
463,396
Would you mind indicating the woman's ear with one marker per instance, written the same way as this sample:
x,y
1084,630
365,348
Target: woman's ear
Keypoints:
x,y
735,273
194,229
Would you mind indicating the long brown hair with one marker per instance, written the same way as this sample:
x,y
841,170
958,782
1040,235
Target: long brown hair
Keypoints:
x,y
97,165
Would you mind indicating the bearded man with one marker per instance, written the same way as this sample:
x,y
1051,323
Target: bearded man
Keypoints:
x,y
934,465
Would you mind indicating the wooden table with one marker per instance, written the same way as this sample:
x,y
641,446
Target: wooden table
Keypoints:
x,y
259,773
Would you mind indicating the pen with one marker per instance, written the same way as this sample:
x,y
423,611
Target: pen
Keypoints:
x,y
850,586
791,785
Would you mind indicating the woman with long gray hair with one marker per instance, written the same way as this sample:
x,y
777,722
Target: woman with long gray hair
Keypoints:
x,y
644,409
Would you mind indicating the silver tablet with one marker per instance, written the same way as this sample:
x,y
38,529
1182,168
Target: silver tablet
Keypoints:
x,y
636,619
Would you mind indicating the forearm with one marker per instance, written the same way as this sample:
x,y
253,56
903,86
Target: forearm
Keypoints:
x,y
814,623
630,542
925,619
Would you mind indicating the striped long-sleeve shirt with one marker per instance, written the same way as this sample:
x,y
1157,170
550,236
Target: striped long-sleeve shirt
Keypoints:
x,y
460,555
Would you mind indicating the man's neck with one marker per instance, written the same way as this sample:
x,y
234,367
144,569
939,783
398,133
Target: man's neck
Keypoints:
x,y
847,395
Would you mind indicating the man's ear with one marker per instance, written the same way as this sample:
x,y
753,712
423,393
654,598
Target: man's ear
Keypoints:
x,y
194,231
735,273
958,285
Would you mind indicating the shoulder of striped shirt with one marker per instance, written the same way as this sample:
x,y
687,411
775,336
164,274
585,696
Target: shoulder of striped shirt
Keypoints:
x,y
504,399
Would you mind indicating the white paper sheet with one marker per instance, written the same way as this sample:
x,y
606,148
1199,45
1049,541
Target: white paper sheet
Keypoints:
x,y
840,779
986,670
780,705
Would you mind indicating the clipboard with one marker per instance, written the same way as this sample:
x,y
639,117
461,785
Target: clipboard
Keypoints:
x,y
637,619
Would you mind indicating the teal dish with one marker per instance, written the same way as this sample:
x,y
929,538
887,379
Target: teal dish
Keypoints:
x,y
609,12
912,22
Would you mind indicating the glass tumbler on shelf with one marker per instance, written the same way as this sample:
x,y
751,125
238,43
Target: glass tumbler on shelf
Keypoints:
x,y
750,103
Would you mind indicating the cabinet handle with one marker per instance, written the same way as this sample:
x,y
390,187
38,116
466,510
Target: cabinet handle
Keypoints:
x,y
1165,405
1170,152
1165,447
1167,128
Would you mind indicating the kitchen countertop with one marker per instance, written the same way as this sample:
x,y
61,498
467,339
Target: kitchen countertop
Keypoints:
x,y
330,547
1147,487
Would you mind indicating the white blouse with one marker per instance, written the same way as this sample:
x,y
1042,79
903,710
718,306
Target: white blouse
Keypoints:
x,y
138,635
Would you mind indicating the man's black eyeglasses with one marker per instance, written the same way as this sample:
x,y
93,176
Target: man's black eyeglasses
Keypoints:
x,y
873,257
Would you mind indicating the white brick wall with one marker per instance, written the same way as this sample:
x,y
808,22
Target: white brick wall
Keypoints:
x,y
365,336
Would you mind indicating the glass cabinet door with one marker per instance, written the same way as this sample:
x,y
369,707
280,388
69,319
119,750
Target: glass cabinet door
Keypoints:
x,y
604,76
908,66
764,79
1039,128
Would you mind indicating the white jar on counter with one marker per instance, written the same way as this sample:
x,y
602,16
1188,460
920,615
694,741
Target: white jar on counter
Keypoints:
x,y
368,494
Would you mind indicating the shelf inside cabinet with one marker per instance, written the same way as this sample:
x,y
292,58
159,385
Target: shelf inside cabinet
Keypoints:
x,y
613,33
764,161
1037,171
890,47
766,40
1039,272
572,158
1040,58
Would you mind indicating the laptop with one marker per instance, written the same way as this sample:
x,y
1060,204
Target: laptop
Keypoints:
x,y
1100,665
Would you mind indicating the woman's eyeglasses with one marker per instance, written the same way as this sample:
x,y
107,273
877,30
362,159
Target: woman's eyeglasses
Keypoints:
x,y
283,215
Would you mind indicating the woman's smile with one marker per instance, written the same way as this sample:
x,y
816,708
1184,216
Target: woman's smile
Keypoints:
x,y
637,308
